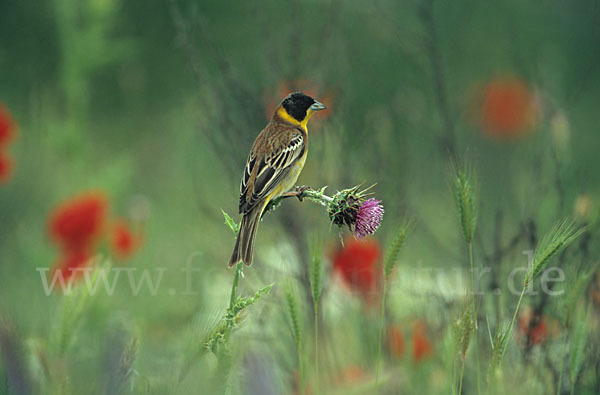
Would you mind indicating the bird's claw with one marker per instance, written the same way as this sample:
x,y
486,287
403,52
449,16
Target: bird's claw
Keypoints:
x,y
300,190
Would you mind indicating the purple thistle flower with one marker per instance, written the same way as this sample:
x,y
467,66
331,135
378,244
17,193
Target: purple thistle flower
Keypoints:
x,y
368,218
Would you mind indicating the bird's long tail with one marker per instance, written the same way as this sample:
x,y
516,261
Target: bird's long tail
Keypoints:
x,y
244,245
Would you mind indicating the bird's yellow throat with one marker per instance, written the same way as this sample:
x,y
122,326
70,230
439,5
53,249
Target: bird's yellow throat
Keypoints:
x,y
283,114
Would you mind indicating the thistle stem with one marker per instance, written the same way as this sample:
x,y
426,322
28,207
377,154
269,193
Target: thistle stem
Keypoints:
x,y
236,281
301,193
316,196
381,316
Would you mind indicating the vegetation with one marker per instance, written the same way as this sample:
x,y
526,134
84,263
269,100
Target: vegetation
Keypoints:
x,y
124,129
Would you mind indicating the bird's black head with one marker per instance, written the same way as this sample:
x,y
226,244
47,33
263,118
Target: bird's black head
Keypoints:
x,y
297,104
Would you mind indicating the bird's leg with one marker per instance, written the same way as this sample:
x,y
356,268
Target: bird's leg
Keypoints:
x,y
298,192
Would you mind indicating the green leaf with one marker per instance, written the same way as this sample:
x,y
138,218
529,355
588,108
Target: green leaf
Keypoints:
x,y
231,319
578,343
74,306
235,228
242,302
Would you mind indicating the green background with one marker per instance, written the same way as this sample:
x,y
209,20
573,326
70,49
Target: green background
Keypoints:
x,y
159,101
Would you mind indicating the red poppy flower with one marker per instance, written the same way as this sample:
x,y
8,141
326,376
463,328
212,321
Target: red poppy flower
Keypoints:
x,y
7,126
422,347
6,168
396,340
123,241
69,262
78,223
356,263
529,332
508,108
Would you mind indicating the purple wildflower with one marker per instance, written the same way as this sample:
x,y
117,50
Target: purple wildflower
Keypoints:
x,y
368,218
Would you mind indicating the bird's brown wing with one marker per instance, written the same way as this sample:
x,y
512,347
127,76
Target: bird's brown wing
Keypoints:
x,y
273,154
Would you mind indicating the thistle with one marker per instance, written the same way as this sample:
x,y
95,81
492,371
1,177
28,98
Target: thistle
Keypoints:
x,y
351,207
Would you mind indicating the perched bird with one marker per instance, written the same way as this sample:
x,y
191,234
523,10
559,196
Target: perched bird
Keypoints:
x,y
273,166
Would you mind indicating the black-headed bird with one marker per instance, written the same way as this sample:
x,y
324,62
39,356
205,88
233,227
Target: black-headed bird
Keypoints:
x,y
273,166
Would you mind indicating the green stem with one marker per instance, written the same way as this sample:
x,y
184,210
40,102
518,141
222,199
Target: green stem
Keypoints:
x,y
512,323
562,364
316,348
233,297
317,196
474,317
572,387
301,368
381,316
310,194
462,373
453,376
236,281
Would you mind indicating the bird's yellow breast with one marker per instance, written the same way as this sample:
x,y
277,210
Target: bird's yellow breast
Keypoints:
x,y
290,180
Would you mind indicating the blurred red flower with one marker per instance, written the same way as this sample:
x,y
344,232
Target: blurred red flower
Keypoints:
x,y
69,261
594,291
356,263
508,108
6,168
532,329
421,345
297,385
78,223
124,242
7,127
351,375
396,340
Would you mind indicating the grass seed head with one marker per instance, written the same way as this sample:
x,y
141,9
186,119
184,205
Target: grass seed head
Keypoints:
x,y
466,196
392,252
554,242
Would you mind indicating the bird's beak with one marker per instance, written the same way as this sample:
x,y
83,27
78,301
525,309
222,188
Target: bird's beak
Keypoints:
x,y
318,106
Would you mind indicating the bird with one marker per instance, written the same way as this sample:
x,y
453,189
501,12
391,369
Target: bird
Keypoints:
x,y
273,166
